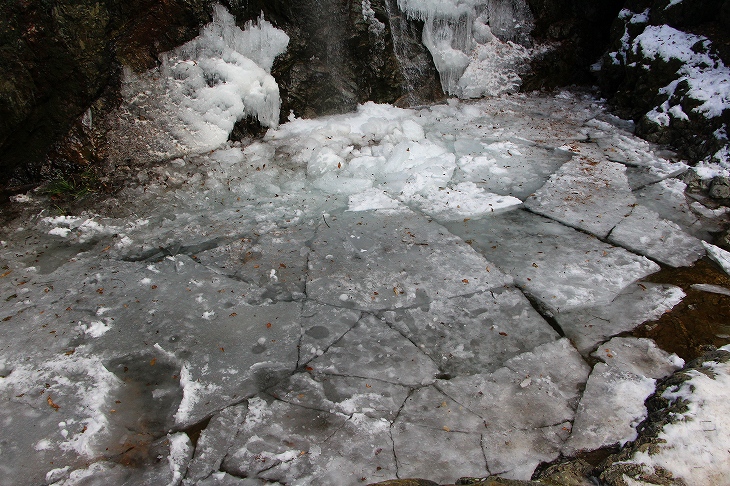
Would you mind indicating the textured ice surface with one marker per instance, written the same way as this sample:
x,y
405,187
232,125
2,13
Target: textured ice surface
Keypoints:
x,y
561,275
612,404
296,445
534,394
350,293
374,350
476,333
611,407
636,304
644,232
668,199
719,256
586,194
393,259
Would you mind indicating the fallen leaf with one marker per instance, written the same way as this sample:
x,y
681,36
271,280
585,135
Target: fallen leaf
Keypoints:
x,y
50,402
153,361
6,274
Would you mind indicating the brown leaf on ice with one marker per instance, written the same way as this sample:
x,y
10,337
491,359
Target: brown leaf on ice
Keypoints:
x,y
50,402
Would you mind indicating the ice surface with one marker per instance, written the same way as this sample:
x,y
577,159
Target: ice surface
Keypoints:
x,y
561,275
374,350
295,445
374,398
586,194
644,232
715,289
719,256
638,303
668,200
280,297
399,259
610,409
612,404
640,356
476,333
450,432
531,396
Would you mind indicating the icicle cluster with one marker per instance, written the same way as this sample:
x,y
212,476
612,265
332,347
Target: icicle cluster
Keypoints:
x,y
475,44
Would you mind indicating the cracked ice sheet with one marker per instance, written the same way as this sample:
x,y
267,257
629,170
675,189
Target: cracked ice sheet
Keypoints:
x,y
375,351
166,464
177,311
531,399
588,194
225,348
644,164
299,446
612,405
668,199
342,394
214,443
516,167
476,333
562,268
645,233
388,259
637,304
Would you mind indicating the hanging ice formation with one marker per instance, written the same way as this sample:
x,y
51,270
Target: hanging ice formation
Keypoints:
x,y
203,87
478,46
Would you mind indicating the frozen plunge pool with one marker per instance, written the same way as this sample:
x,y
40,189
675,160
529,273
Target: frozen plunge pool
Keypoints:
x,y
391,293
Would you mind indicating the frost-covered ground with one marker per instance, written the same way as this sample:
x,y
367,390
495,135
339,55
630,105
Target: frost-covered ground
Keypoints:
x,y
389,293
359,296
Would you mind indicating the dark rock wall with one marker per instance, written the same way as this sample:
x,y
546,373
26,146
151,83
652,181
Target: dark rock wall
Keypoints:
x,y
578,30
58,57
633,85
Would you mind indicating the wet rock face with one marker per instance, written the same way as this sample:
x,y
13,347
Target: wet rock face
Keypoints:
x,y
58,57
578,31
345,52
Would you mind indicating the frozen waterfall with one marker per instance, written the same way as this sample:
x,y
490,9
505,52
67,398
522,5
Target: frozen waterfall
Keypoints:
x,y
479,47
